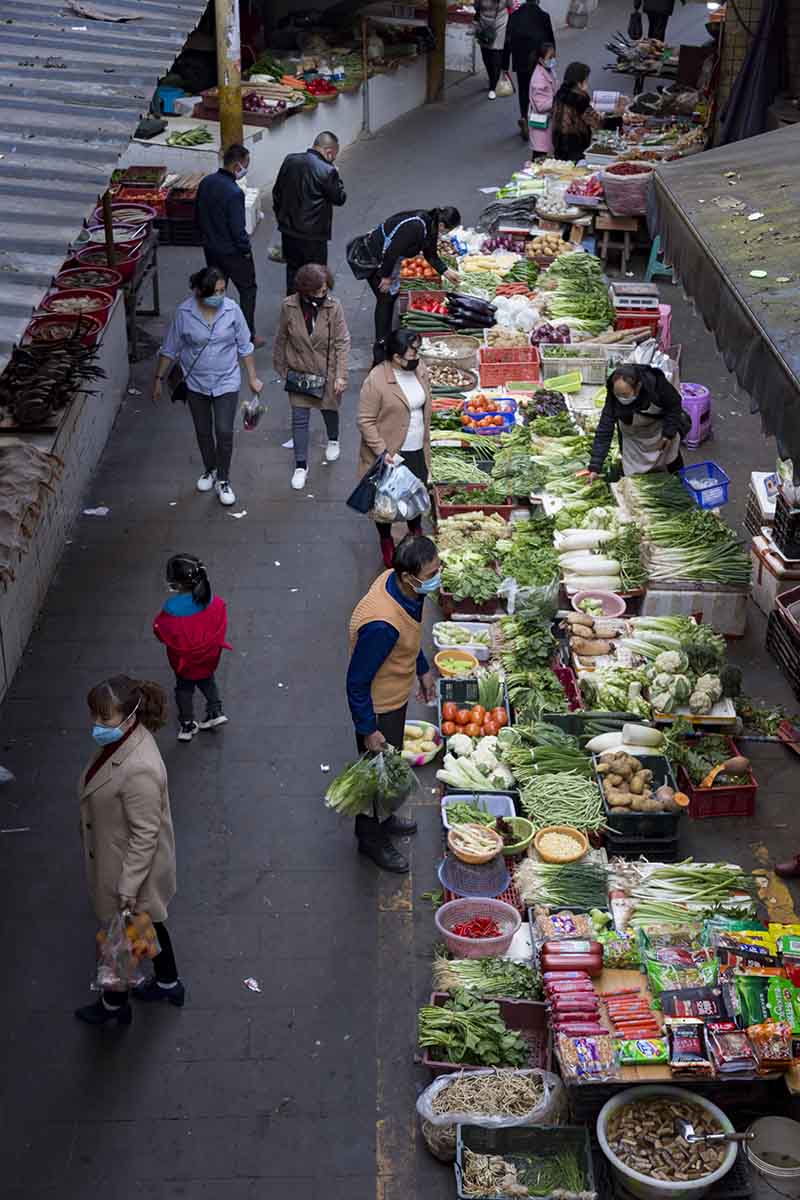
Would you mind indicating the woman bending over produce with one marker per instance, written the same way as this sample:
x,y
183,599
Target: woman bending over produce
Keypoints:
x,y
394,418
385,656
574,120
645,409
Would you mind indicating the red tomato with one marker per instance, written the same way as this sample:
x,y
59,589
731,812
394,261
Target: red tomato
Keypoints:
x,y
500,716
478,714
449,728
490,728
462,716
472,730
449,711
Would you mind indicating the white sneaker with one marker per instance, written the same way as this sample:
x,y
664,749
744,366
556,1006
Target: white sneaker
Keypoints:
x,y
299,478
225,493
187,730
492,95
206,482
331,452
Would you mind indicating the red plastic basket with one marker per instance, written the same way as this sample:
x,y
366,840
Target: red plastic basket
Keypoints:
x,y
630,319
719,801
509,354
498,374
443,509
528,1017
415,298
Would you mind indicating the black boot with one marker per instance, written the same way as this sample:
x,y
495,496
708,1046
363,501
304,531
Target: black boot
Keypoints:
x,y
399,826
153,992
384,854
99,1014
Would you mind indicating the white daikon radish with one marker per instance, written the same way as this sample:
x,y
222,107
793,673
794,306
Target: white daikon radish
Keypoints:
x,y
604,742
583,539
595,565
642,735
594,583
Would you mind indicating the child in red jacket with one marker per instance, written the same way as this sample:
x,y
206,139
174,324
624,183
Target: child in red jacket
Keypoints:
x,y
192,626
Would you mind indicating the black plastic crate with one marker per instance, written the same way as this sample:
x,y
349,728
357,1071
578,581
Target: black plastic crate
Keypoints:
x,y
464,693
575,723
640,825
544,1141
783,648
163,232
184,233
658,849
786,530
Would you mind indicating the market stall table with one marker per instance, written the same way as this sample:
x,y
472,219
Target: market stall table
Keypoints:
x,y
146,272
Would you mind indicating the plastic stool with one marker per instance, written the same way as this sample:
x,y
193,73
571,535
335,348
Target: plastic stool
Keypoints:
x,y
665,326
696,401
165,98
654,267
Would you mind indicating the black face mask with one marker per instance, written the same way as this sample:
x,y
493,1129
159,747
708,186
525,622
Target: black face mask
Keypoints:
x,y
411,364
316,301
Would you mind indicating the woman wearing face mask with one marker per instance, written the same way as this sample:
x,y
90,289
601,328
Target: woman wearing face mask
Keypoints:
x,y
529,30
574,121
542,94
207,338
312,340
126,829
385,657
645,409
394,418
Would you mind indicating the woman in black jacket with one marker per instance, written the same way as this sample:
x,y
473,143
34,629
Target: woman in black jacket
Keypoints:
x,y
405,235
528,28
574,121
645,409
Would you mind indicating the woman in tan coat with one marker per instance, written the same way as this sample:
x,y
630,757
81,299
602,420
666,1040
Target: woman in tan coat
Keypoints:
x,y
126,830
394,418
312,341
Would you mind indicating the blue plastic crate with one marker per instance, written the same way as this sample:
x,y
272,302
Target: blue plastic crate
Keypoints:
x,y
707,484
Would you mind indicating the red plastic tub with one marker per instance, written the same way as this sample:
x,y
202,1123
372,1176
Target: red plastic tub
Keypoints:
x,y
528,1017
443,509
499,374
75,277
509,354
719,801
141,214
628,319
38,327
100,300
95,256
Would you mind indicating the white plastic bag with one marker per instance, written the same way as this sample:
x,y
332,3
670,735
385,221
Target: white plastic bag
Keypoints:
x,y
439,1129
530,602
400,496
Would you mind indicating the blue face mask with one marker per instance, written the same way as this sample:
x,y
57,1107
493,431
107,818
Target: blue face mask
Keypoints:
x,y
428,585
106,735
551,66
214,301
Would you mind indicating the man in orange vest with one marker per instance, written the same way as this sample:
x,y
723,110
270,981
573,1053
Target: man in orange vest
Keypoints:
x,y
385,658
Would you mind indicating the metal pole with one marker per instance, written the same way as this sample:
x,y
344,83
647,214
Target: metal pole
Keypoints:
x,y
437,22
229,72
108,227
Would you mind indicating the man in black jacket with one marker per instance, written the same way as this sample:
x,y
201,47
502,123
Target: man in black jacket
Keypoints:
x,y
307,187
529,27
219,211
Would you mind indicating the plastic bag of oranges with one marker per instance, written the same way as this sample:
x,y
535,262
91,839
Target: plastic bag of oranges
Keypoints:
x,y
126,942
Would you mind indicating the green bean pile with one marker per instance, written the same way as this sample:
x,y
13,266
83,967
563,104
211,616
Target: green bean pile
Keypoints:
x,y
563,799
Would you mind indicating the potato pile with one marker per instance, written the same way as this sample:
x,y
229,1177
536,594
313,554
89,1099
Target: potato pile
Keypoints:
x,y
415,740
626,785
497,336
548,245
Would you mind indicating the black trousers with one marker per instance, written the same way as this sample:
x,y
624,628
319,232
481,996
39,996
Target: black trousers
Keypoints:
x,y
415,461
213,418
392,726
184,696
523,90
493,62
657,25
242,270
165,968
298,252
384,308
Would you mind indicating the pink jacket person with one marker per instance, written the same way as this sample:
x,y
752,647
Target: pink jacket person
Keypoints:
x,y
544,85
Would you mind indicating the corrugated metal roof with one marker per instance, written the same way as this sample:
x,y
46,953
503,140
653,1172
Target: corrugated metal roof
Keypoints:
x,y
72,90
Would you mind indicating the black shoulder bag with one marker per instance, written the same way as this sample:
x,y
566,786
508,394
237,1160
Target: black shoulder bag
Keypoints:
x,y
176,380
304,383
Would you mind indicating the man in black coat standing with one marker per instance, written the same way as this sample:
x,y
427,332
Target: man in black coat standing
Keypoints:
x,y
220,214
529,27
307,188
658,14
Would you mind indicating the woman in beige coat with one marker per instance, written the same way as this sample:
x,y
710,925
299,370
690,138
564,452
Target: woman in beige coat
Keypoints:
x,y
312,340
394,418
126,830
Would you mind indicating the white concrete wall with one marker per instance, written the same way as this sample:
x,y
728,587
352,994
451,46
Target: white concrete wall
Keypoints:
x,y
389,96
79,443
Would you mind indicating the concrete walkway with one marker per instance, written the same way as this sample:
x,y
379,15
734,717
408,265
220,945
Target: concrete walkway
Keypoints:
x,y
306,1089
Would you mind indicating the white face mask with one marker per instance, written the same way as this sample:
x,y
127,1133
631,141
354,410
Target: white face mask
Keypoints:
x,y
624,399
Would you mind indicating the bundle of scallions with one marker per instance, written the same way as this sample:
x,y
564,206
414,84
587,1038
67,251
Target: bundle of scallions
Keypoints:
x,y
671,894
581,884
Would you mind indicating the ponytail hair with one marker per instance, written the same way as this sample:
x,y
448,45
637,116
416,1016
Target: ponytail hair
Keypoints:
x,y
187,572
121,694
